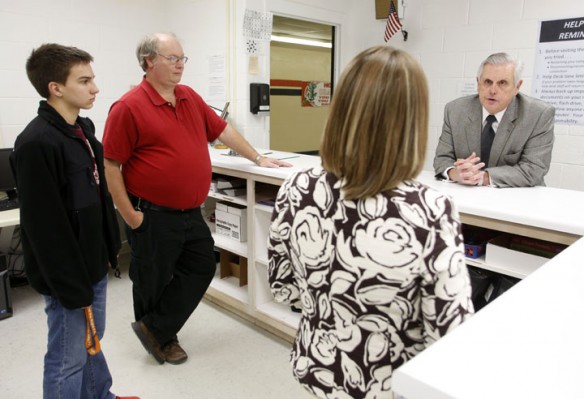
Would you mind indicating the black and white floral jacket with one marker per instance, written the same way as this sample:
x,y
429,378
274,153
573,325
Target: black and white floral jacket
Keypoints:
x,y
378,280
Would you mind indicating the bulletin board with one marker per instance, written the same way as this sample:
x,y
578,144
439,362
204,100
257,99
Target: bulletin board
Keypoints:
x,y
382,8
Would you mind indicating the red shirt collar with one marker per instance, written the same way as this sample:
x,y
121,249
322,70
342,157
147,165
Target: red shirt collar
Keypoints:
x,y
156,98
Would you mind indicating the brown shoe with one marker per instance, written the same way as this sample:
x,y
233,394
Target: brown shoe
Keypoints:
x,y
173,353
148,340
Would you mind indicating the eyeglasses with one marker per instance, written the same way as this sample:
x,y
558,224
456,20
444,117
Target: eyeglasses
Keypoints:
x,y
174,59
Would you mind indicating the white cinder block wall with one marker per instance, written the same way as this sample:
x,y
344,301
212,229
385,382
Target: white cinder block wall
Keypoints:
x,y
108,29
449,37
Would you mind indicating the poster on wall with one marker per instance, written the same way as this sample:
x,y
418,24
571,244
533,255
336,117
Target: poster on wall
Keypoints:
x,y
559,68
316,94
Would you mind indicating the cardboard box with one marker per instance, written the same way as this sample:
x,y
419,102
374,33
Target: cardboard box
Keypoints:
x,y
222,226
475,240
233,265
222,206
231,223
236,209
474,251
499,254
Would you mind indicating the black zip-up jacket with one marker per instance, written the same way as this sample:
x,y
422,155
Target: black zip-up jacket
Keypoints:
x,y
69,229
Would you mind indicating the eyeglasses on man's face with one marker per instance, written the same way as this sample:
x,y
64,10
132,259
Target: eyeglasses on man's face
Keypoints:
x,y
173,59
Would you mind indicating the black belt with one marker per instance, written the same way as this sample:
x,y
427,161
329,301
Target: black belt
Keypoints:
x,y
142,204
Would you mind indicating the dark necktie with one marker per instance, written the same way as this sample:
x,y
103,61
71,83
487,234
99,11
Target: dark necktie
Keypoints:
x,y
487,139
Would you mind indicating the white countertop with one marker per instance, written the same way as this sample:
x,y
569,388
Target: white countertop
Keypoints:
x,y
219,158
544,207
526,344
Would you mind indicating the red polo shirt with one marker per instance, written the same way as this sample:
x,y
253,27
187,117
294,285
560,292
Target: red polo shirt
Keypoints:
x,y
163,149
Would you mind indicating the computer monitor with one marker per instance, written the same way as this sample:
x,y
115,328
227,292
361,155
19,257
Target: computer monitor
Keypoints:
x,y
7,182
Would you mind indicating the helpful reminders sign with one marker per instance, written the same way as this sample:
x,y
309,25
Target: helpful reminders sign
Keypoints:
x,y
559,69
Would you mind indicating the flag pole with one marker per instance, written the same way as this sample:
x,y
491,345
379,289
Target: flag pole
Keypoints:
x,y
404,32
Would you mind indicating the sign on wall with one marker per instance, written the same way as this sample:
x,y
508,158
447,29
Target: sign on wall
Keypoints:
x,y
316,94
559,69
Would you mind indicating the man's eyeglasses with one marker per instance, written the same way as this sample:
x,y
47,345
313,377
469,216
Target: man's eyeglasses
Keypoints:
x,y
174,59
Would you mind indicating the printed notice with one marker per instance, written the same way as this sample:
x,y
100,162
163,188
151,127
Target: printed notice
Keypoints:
x,y
559,69
216,77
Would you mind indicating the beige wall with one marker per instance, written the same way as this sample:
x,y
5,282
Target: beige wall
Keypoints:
x,y
293,127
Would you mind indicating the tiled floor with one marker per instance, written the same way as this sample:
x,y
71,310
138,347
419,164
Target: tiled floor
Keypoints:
x,y
228,357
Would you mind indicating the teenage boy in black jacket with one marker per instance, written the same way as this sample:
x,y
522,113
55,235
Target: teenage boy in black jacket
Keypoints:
x,y
68,223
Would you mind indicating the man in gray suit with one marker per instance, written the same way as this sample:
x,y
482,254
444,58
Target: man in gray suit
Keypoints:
x,y
518,129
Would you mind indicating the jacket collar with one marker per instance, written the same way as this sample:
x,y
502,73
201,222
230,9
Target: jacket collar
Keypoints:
x,y
47,112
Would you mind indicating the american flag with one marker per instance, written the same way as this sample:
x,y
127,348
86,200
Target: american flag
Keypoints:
x,y
393,24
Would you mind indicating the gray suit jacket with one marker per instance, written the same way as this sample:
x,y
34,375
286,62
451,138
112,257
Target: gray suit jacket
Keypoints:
x,y
522,149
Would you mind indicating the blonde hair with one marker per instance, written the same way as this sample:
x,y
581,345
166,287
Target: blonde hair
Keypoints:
x,y
377,130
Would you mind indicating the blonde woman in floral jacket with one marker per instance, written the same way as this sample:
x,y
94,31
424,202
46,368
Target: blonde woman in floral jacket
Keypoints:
x,y
373,257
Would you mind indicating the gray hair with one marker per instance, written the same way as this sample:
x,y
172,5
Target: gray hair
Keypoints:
x,y
502,59
148,48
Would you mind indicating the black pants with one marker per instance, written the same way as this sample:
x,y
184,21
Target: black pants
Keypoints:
x,y
172,265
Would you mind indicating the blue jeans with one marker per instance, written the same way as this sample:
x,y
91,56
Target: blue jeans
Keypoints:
x,y
70,372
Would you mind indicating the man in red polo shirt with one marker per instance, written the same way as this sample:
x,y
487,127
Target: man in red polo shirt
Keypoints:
x,y
159,172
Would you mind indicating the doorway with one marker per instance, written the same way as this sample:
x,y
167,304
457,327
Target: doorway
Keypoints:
x,y
302,55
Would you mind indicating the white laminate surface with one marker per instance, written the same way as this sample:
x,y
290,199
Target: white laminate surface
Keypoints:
x,y
544,207
298,161
524,345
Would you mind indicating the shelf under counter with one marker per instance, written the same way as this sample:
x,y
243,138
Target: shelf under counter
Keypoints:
x,y
265,303
230,286
262,261
508,271
241,200
231,245
281,313
264,208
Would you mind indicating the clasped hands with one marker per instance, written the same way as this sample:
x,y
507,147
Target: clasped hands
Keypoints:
x,y
469,171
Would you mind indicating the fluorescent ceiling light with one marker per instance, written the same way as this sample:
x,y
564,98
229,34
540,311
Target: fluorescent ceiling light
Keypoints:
x,y
304,42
